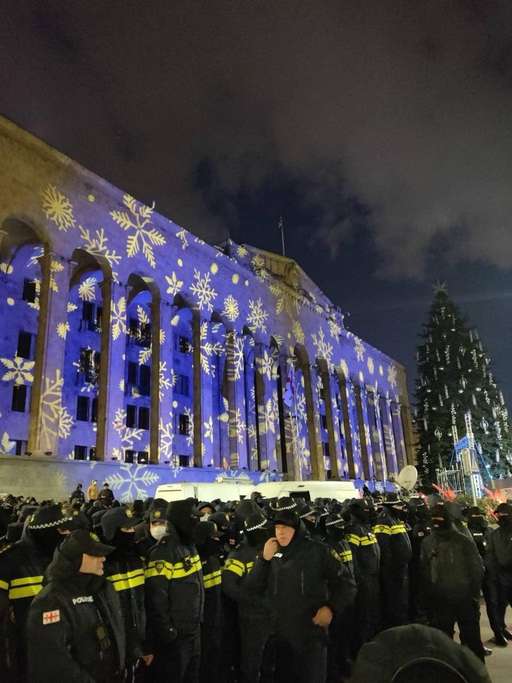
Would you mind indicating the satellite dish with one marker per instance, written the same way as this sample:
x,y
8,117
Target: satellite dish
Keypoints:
x,y
408,477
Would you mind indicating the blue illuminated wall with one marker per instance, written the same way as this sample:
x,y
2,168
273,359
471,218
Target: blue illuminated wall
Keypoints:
x,y
127,339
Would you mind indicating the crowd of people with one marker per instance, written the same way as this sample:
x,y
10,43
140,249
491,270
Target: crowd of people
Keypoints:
x,y
258,590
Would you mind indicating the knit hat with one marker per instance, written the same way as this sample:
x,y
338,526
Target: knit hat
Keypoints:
x,y
117,518
182,515
285,512
81,542
49,517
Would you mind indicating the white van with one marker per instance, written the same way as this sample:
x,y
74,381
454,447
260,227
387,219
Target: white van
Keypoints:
x,y
226,490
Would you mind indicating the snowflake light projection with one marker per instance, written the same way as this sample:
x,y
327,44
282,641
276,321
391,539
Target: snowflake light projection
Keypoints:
x,y
370,365
131,483
323,348
97,245
392,376
235,357
209,350
359,349
190,434
237,426
241,251
174,284
231,309
87,289
167,380
256,320
166,432
267,366
127,435
19,370
203,291
298,332
287,300
118,318
182,236
208,429
63,329
144,236
57,208
334,329
55,419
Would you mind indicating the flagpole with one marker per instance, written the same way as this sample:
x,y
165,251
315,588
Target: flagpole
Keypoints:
x,y
281,227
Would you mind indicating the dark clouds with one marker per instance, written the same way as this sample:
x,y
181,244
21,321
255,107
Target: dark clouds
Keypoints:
x,y
404,108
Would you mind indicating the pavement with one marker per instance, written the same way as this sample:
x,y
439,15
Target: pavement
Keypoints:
x,y
499,664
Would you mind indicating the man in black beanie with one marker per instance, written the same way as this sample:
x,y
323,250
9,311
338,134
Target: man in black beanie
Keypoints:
x,y
500,570
253,608
75,629
22,567
452,573
306,585
175,598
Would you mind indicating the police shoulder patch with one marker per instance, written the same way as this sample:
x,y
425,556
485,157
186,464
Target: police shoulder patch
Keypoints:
x,y
159,566
51,617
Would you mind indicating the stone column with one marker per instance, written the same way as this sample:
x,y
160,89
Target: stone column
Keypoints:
x,y
398,431
113,436
268,413
333,425
251,410
203,413
166,386
349,427
236,400
374,422
363,429
389,437
49,419
312,407
288,437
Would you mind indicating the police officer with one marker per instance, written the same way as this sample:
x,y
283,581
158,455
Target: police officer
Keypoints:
x,y
395,554
209,549
366,556
253,608
22,567
479,529
306,585
339,645
452,573
500,569
125,570
75,627
175,598
419,526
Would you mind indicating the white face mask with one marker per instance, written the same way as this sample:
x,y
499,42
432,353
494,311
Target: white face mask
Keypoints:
x,y
158,531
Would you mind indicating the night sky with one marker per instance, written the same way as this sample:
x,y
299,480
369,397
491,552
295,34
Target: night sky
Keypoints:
x,y
380,131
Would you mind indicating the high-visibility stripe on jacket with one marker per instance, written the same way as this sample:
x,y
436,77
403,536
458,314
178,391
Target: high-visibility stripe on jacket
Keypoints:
x,y
212,579
173,570
132,579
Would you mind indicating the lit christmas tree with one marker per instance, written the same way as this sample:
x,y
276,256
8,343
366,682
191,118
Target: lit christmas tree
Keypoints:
x,y
454,377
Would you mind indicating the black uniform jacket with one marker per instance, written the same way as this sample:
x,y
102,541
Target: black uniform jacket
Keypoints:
x,y
499,554
251,604
394,542
451,566
301,578
75,628
174,590
125,571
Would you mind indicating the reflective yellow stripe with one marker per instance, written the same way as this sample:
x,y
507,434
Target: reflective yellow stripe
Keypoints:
x,y
381,529
368,540
213,579
4,585
346,556
234,566
26,580
128,575
129,580
398,529
24,592
355,540
249,566
172,571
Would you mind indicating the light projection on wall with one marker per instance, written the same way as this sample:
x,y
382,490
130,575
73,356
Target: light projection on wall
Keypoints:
x,y
215,381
